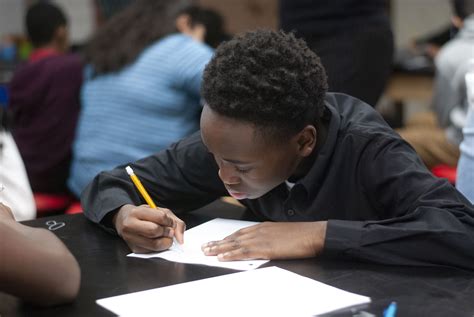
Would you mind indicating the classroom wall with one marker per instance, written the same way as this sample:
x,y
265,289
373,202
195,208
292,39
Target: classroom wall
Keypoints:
x,y
413,18
81,18
410,18
79,12
11,17
242,15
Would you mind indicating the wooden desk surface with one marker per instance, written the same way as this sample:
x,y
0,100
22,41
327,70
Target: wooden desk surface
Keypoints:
x,y
404,86
106,271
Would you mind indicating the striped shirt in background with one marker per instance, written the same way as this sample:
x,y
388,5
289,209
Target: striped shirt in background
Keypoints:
x,y
139,110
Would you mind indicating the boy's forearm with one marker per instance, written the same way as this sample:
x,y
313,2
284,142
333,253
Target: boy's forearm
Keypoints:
x,y
320,236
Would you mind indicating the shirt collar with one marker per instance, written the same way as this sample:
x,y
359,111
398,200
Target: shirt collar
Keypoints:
x,y
289,184
41,53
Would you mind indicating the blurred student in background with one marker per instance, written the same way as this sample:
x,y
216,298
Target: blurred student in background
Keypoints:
x,y
44,102
465,171
436,135
36,266
142,86
353,38
15,189
210,22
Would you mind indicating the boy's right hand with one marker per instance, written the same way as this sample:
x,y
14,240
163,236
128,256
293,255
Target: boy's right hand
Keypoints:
x,y
148,230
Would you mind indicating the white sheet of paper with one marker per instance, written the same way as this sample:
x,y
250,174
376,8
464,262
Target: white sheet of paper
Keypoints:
x,y
190,251
268,291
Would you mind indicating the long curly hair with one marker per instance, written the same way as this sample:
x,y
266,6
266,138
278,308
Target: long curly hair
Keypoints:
x,y
269,79
122,38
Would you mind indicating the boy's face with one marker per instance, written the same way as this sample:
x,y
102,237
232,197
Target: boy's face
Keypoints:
x,y
248,166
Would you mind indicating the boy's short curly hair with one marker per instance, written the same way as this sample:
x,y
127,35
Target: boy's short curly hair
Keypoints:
x,y
269,79
42,21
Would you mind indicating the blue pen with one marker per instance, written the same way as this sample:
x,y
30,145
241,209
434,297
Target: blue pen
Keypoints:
x,y
391,310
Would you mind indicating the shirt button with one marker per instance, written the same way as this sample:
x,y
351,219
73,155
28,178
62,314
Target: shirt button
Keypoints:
x,y
291,212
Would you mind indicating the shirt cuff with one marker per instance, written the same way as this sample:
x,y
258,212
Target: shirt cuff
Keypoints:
x,y
106,222
342,238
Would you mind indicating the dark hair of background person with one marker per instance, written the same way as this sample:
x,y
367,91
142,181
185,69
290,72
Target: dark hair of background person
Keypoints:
x,y
269,79
463,8
42,21
212,21
107,8
122,38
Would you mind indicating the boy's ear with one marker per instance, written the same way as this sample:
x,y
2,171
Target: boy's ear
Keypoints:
x,y
307,140
61,38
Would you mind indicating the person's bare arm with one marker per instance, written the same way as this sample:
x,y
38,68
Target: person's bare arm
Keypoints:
x,y
34,264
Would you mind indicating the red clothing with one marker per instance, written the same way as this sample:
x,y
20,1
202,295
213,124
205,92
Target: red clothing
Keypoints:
x,y
44,102
41,53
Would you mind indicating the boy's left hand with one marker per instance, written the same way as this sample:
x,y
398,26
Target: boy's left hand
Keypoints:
x,y
271,240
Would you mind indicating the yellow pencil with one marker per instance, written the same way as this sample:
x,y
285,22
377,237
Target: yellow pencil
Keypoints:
x,y
145,195
140,187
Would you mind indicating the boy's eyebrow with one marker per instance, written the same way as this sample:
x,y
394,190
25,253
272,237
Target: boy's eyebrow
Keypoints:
x,y
236,161
232,161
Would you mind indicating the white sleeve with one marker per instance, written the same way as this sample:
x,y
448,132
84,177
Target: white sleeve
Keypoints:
x,y
465,171
16,191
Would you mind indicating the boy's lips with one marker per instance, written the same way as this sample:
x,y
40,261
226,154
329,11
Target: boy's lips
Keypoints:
x,y
237,195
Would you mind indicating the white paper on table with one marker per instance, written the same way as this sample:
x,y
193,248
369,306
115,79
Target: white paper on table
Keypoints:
x,y
270,291
190,251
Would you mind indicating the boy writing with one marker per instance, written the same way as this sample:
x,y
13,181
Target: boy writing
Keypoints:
x,y
324,170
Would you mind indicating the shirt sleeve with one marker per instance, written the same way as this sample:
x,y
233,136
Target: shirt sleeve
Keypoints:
x,y
465,171
192,68
424,221
17,191
449,87
184,177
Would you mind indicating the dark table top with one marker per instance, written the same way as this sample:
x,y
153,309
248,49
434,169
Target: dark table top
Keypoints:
x,y
106,271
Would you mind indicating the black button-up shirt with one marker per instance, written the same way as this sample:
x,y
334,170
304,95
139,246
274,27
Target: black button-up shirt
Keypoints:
x,y
380,201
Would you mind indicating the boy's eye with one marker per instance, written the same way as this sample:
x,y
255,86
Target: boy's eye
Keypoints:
x,y
242,170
